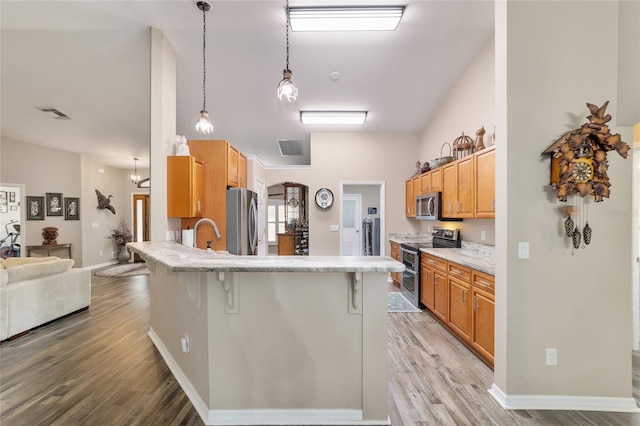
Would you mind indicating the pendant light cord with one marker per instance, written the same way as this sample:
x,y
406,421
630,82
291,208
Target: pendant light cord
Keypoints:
x,y
287,32
204,59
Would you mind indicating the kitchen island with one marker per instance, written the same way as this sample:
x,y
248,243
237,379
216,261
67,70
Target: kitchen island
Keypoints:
x,y
272,340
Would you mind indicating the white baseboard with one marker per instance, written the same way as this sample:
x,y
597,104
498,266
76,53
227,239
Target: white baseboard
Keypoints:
x,y
563,402
262,417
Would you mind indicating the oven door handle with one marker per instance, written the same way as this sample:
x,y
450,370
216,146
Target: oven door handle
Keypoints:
x,y
410,272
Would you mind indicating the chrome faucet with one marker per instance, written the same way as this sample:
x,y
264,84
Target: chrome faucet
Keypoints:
x,y
195,229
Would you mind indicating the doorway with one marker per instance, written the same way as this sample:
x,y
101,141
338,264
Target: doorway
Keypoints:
x,y
141,210
372,208
351,241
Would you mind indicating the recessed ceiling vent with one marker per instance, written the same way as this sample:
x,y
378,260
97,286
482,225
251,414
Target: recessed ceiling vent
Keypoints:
x,y
54,113
290,148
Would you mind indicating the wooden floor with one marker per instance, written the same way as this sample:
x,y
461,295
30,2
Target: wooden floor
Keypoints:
x,y
99,367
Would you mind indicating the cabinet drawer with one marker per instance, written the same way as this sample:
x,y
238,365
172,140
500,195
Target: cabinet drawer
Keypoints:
x,y
483,281
460,272
434,262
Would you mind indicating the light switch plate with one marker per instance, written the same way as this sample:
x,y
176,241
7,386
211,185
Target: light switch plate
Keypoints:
x,y
334,228
523,250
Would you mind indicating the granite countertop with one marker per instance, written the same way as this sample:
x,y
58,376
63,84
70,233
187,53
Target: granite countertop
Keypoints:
x,y
410,238
179,258
480,260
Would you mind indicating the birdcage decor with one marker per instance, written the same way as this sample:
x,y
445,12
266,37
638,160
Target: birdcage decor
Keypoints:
x,y
462,146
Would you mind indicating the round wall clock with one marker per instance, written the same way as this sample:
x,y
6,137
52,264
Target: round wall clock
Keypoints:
x,y
582,170
324,198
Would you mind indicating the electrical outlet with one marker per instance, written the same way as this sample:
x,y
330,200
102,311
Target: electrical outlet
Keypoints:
x,y
114,254
100,253
523,250
552,356
483,235
184,343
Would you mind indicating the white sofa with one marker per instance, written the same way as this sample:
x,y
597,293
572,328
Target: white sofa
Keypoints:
x,y
34,291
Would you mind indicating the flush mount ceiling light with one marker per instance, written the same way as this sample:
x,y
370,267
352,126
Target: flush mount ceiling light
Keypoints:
x,y
286,89
333,117
135,178
383,18
203,124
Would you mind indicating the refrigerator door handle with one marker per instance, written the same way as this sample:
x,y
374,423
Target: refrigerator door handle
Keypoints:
x,y
253,228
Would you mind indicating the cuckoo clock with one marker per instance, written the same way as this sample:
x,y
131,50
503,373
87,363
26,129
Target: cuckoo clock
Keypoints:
x,y
579,160
579,167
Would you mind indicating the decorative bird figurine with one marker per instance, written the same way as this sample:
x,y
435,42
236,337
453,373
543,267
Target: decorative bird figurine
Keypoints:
x,y
105,202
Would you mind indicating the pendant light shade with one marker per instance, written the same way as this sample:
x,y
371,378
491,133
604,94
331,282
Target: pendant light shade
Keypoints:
x,y
286,89
135,178
203,124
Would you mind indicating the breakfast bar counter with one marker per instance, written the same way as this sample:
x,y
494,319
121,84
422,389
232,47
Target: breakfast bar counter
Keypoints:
x,y
275,339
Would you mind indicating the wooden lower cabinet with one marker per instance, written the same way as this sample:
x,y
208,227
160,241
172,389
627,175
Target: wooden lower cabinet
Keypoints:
x,y
460,308
395,255
462,300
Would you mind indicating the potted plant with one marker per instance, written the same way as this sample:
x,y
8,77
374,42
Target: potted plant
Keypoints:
x,y
122,235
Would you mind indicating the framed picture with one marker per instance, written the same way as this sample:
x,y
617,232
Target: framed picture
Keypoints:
x,y
4,204
71,208
35,208
12,197
54,204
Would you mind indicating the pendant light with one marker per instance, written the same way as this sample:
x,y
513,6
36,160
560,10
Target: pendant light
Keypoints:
x,y
286,89
203,124
135,178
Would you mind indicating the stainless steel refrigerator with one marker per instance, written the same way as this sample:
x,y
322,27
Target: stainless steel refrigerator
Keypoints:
x,y
242,221
371,237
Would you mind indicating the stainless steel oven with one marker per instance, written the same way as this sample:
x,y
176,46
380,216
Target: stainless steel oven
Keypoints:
x,y
410,256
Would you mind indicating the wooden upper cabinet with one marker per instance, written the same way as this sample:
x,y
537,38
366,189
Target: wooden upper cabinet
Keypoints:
x,y
184,187
242,170
458,194
436,180
410,200
449,189
465,206
232,166
425,183
485,177
416,187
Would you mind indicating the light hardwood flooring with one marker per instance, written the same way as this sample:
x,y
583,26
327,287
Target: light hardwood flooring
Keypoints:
x,y
99,367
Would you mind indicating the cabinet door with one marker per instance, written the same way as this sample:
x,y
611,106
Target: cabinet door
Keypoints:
x,y
449,190
410,200
482,334
427,287
417,190
232,166
436,180
184,187
460,308
425,183
465,206
485,171
395,254
441,295
242,171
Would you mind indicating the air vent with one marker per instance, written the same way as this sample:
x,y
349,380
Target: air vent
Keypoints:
x,y
54,113
290,148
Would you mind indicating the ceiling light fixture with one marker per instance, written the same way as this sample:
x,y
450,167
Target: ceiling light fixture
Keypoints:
x,y
203,124
333,117
135,178
383,18
286,88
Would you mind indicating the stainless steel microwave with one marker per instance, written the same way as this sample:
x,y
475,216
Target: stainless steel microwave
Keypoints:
x,y
429,207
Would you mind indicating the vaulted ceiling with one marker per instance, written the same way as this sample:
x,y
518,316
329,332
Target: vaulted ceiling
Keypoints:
x,y
91,61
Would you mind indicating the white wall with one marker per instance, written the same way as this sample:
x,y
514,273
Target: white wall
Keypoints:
x,y
579,304
469,106
351,157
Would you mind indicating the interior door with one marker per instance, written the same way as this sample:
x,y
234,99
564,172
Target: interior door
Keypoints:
x,y
140,220
351,223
